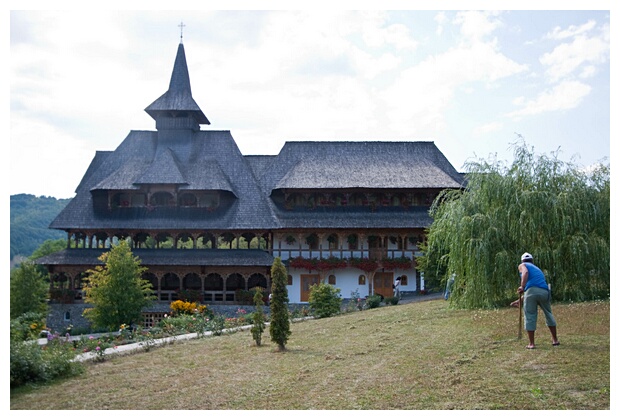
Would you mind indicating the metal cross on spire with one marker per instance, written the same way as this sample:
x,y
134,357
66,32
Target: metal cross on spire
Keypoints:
x,y
182,25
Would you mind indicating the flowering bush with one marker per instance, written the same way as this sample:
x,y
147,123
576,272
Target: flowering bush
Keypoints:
x,y
217,324
125,334
317,264
365,264
356,302
240,319
184,323
27,326
96,346
402,263
331,263
146,339
180,307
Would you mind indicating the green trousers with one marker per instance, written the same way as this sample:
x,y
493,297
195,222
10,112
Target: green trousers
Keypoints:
x,y
533,298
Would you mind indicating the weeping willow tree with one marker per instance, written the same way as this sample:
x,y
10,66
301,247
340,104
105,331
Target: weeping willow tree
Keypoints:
x,y
552,209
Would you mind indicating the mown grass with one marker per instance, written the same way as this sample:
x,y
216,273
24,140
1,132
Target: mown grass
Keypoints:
x,y
418,356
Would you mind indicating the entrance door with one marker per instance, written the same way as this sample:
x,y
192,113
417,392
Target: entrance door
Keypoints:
x,y
383,284
307,280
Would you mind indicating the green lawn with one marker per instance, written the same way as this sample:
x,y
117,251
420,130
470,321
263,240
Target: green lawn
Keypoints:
x,y
418,356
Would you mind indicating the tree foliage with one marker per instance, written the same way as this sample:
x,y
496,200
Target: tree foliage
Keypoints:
x,y
48,247
279,327
116,289
552,209
29,291
324,300
30,220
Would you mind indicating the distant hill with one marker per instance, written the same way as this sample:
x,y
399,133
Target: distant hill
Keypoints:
x,y
30,218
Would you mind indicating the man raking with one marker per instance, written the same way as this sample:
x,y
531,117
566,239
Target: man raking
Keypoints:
x,y
536,293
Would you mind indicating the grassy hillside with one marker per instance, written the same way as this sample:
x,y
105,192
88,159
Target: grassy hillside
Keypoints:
x,y
417,356
30,218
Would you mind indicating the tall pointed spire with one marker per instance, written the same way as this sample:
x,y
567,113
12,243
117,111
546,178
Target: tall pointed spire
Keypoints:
x,y
181,25
178,99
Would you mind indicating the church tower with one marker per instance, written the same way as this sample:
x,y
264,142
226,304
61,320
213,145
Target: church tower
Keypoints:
x,y
177,116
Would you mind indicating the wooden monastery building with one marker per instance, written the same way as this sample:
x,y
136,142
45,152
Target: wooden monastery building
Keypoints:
x,y
208,221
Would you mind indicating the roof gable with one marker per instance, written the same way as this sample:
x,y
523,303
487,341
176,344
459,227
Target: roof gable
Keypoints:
x,y
163,170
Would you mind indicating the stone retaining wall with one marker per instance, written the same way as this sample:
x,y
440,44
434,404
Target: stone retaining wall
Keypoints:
x,y
62,316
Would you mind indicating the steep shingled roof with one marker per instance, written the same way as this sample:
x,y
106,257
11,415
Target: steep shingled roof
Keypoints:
x,y
333,165
179,94
197,160
213,161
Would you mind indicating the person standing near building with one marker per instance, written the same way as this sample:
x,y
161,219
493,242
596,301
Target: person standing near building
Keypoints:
x,y
396,287
536,294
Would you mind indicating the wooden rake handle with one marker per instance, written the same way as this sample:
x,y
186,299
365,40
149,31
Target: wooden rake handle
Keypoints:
x,y
520,316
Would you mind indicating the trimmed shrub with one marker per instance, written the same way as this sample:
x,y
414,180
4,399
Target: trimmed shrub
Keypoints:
x,y
324,300
373,301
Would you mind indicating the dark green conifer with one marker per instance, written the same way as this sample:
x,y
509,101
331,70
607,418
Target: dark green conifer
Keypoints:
x,y
258,317
279,327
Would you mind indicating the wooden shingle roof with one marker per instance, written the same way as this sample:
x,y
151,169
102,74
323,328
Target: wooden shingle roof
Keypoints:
x,y
179,94
384,165
195,160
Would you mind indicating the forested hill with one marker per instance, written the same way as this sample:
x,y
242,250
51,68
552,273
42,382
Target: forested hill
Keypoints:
x,y
30,218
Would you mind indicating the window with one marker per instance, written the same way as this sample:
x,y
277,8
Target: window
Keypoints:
x,y
188,200
67,316
403,280
332,279
333,241
361,280
120,200
289,280
209,200
313,241
138,200
352,241
162,199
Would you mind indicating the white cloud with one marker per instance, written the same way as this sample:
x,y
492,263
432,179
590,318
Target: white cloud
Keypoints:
x,y
571,31
487,128
587,72
42,161
566,95
568,57
441,19
419,97
475,25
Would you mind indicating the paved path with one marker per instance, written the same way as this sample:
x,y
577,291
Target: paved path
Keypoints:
x,y
415,297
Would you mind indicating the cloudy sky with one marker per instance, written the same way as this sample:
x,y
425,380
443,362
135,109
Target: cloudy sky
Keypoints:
x,y
474,82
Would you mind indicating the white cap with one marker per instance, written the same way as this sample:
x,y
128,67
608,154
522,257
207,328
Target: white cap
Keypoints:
x,y
526,256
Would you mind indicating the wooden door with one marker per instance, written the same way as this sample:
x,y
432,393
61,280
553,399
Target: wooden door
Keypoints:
x,y
307,280
383,284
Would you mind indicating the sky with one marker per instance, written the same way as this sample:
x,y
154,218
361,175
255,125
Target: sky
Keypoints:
x,y
474,81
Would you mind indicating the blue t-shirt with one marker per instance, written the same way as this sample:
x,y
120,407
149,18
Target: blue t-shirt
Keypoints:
x,y
535,277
